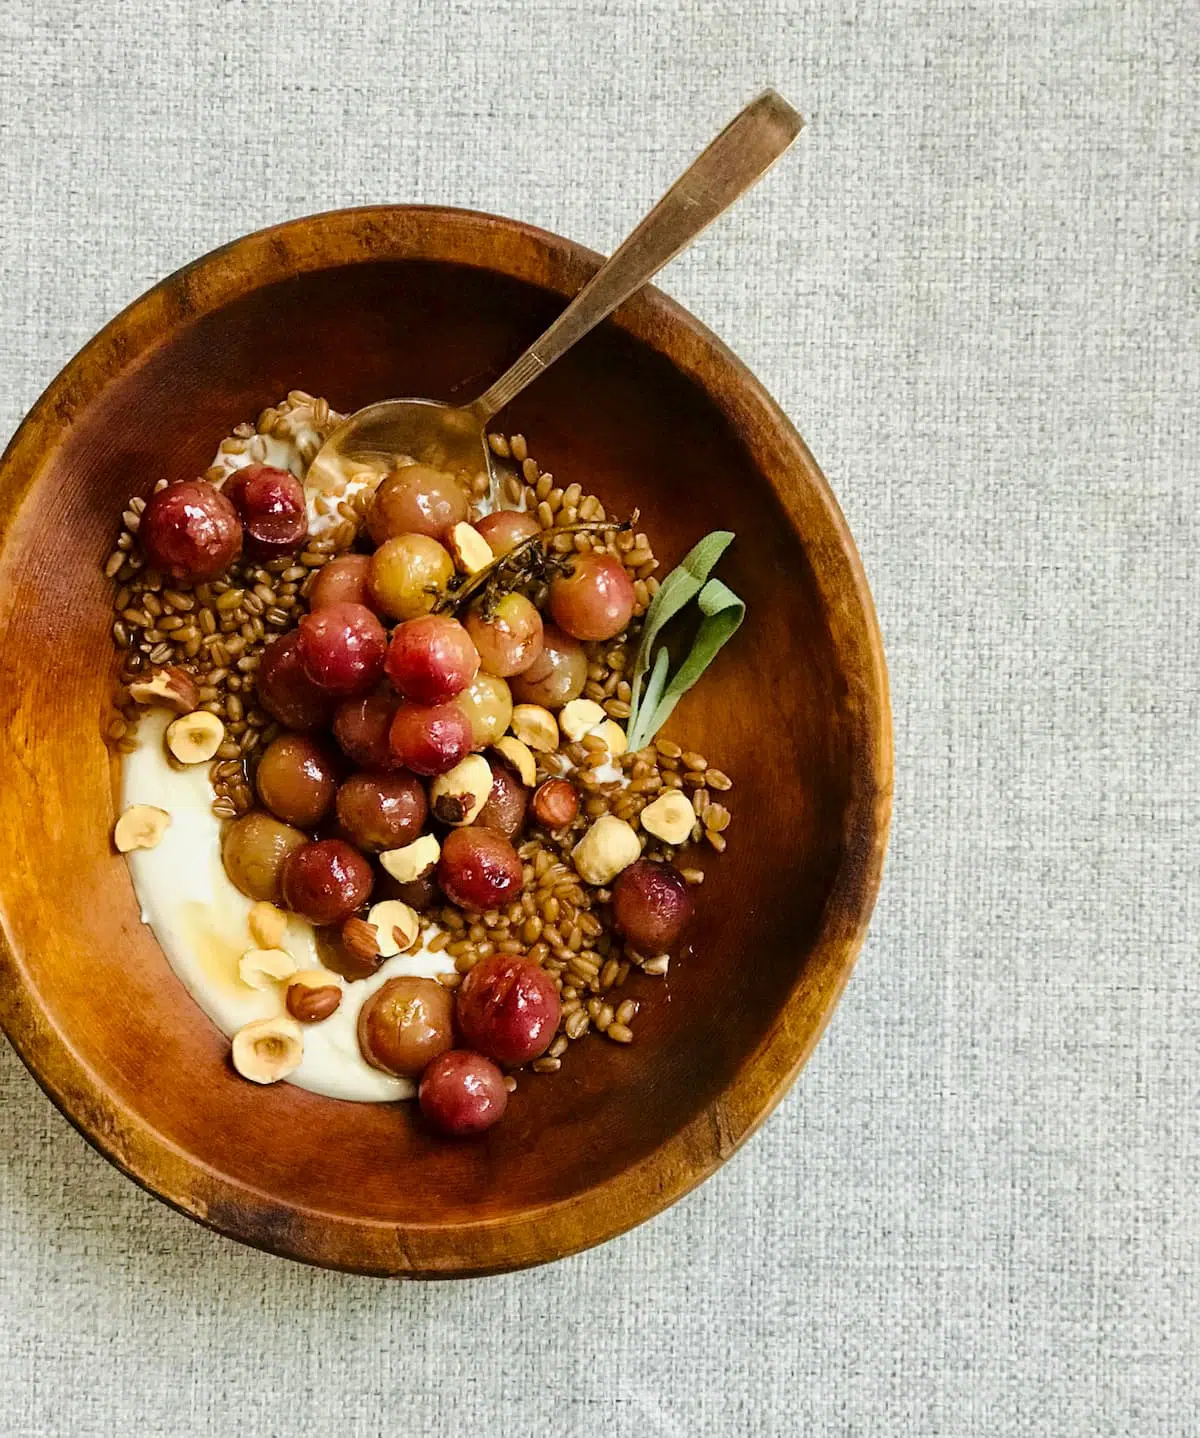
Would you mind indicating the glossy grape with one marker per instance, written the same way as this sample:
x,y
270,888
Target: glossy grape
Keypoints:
x,y
342,648
254,850
343,580
272,507
510,639
487,703
297,779
381,811
286,692
595,600
556,676
431,659
416,500
479,868
430,738
362,728
504,529
508,1008
190,531
506,803
405,1024
651,904
326,881
408,574
462,1093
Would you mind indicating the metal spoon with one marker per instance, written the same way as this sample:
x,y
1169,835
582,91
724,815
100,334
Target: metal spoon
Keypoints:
x,y
452,438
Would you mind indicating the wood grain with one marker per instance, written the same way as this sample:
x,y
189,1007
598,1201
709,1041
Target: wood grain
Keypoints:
x,y
650,410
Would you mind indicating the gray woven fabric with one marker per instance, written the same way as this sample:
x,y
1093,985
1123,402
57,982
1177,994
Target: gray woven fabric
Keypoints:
x,y
971,288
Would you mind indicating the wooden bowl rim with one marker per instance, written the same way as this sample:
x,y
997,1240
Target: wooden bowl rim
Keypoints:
x,y
539,1234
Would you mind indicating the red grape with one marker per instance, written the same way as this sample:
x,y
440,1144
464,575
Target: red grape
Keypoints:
x,y
296,779
430,738
382,811
416,500
508,1008
342,648
651,903
285,691
556,676
431,659
190,531
326,881
511,639
504,529
505,807
273,509
479,869
595,600
342,581
404,1024
361,727
462,1093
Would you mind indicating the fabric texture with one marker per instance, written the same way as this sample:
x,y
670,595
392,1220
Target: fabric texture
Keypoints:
x,y
972,287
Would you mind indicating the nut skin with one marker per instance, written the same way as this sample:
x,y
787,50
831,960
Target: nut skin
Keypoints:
x,y
396,926
609,846
457,796
171,688
361,940
468,548
310,1003
555,804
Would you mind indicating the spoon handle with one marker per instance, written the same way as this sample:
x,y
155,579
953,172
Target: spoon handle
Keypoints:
x,y
743,151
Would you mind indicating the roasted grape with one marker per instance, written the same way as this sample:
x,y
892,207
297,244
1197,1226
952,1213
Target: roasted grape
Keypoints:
x,y
286,692
479,869
416,500
381,811
408,575
462,1093
651,904
504,529
272,507
487,703
431,659
510,638
508,1008
296,779
362,728
343,580
556,676
430,738
342,648
595,600
254,850
405,1024
190,531
326,881
506,803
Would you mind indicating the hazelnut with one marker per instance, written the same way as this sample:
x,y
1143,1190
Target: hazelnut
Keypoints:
x,y
361,940
536,727
170,688
457,796
614,737
414,861
519,758
580,717
312,995
470,551
267,925
670,817
141,826
396,925
195,738
609,846
268,1049
260,968
555,804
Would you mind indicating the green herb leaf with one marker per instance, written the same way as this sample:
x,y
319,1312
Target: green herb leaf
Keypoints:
x,y
723,612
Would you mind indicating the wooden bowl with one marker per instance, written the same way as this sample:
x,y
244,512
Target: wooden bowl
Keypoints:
x,y
649,411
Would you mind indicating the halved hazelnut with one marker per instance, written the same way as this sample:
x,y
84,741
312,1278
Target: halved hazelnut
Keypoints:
x,y
614,737
312,995
414,861
268,1049
195,738
536,727
397,926
579,717
471,552
361,940
260,968
519,758
669,818
457,796
609,846
268,925
172,688
141,826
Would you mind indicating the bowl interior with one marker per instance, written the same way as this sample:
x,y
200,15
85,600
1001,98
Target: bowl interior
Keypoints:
x,y
95,1008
